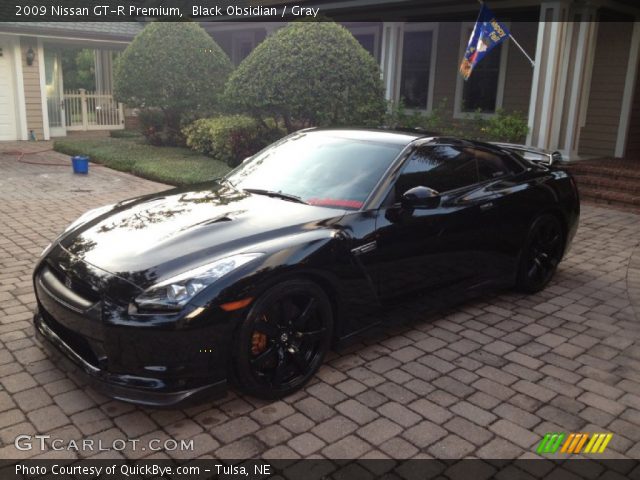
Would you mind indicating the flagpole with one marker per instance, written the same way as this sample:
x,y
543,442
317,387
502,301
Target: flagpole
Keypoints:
x,y
533,64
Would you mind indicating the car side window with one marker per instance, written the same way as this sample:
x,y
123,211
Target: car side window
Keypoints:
x,y
442,168
491,165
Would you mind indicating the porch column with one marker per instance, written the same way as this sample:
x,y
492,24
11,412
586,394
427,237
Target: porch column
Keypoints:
x,y
392,35
104,71
582,41
629,87
561,78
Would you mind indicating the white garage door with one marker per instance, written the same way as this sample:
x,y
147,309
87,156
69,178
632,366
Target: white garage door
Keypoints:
x,y
8,126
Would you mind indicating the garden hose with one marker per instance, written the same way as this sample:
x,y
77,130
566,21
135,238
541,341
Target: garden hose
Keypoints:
x,y
20,154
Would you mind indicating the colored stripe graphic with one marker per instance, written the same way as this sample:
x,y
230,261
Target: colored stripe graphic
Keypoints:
x,y
574,443
598,443
582,442
550,443
595,443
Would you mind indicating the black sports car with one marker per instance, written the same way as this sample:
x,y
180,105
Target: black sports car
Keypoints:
x,y
252,278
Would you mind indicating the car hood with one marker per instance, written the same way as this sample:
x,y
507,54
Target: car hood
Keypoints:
x,y
160,235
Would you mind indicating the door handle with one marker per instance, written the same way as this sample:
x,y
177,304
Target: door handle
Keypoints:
x,y
367,247
487,206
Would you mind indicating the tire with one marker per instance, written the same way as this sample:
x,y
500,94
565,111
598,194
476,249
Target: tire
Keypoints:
x,y
283,340
541,254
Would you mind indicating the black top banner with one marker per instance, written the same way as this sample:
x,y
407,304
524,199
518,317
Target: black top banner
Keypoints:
x,y
279,10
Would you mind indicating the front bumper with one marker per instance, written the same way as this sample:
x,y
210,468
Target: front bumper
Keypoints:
x,y
160,361
143,391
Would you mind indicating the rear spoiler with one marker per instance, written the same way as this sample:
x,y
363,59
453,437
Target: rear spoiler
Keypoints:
x,y
532,154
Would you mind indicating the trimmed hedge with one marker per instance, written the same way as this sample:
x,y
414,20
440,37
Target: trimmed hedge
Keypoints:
x,y
230,138
175,71
309,74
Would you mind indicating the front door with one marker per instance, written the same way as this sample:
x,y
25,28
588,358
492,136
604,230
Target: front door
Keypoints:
x,y
54,88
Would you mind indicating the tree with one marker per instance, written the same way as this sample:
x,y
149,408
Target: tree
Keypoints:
x,y
309,74
174,68
78,66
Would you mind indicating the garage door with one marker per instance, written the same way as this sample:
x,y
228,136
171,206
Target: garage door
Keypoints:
x,y
8,127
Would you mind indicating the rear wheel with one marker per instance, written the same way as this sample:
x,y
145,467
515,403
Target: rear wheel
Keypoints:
x,y
541,254
284,339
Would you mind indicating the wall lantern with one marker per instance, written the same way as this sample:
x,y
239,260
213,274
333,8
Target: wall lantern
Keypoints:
x,y
30,56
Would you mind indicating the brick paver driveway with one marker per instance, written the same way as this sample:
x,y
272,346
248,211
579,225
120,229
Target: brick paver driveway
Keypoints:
x,y
486,379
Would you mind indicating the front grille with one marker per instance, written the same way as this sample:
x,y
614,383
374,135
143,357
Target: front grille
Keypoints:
x,y
77,342
76,285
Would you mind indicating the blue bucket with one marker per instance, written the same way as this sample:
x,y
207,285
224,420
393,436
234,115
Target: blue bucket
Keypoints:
x,y
80,164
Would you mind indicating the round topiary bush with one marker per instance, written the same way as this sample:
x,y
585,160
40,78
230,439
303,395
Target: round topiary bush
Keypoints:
x,y
173,68
309,74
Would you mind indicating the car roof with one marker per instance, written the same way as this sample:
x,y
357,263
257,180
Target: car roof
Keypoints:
x,y
370,134
393,136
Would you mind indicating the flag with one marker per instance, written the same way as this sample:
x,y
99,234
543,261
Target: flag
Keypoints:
x,y
486,34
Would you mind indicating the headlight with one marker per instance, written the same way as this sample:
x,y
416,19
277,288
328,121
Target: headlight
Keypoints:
x,y
176,292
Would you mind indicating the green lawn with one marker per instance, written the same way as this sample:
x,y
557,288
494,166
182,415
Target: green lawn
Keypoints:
x,y
172,165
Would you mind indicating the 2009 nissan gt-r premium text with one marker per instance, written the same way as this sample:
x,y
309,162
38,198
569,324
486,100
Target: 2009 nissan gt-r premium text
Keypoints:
x,y
251,278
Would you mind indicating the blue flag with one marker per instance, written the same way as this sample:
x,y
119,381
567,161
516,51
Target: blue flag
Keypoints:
x,y
487,33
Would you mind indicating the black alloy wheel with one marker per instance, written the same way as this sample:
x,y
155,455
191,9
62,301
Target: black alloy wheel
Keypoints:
x,y
284,339
541,254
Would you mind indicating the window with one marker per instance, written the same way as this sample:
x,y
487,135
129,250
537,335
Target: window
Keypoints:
x,y
368,35
482,92
491,165
242,45
441,168
416,68
368,42
323,168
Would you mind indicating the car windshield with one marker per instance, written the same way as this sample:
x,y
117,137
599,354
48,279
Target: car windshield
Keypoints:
x,y
319,168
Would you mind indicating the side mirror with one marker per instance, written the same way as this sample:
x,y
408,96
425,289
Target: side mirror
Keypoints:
x,y
420,197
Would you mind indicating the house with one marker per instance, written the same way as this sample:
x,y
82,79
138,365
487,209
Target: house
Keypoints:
x,y
35,103
580,96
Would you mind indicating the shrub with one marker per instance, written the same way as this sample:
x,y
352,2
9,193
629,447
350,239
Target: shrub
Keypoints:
x,y
398,117
506,127
309,74
171,70
230,138
435,121
501,127
152,126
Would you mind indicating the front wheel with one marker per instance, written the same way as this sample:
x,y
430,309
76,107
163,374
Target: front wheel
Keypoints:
x,y
284,339
541,254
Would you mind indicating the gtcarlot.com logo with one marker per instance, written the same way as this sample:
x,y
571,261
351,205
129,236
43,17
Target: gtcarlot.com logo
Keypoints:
x,y
46,442
573,443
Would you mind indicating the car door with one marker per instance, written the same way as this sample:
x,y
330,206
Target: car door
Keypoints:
x,y
503,207
430,248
